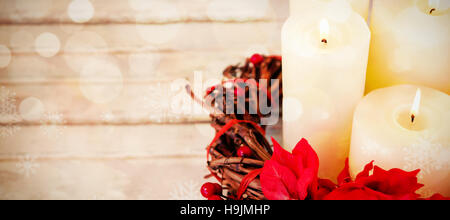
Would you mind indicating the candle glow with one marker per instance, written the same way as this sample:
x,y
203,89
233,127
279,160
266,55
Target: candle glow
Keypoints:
x,y
324,30
416,105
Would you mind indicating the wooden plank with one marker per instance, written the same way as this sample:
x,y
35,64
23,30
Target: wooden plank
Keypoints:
x,y
105,162
108,103
35,178
60,142
123,37
141,11
195,46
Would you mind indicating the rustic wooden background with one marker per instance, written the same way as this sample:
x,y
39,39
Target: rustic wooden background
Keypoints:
x,y
84,87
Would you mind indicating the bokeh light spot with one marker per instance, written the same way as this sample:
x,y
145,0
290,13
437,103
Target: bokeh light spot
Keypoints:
x,y
47,44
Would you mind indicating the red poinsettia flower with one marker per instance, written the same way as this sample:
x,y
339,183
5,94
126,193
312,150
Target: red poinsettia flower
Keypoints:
x,y
290,176
394,184
293,176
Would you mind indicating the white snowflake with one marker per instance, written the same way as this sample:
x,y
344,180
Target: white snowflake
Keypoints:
x,y
426,155
8,113
27,165
53,124
189,190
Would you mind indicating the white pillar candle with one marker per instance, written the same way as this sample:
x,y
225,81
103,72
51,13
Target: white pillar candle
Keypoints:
x,y
324,67
410,44
406,128
299,6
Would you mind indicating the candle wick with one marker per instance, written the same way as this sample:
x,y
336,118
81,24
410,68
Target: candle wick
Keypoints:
x,y
325,41
432,10
413,117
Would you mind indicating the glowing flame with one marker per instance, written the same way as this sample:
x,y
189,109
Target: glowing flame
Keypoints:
x,y
416,105
324,30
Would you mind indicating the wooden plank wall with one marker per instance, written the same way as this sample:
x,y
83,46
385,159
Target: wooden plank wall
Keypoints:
x,y
83,103
172,39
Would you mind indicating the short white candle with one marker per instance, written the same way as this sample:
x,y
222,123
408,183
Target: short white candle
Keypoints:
x,y
299,6
407,128
324,67
410,44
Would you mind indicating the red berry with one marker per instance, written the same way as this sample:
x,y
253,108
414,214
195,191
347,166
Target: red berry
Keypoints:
x,y
215,198
218,188
256,59
244,151
209,189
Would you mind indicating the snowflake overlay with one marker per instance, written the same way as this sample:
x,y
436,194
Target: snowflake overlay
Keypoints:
x,y
189,190
8,113
27,165
426,155
53,124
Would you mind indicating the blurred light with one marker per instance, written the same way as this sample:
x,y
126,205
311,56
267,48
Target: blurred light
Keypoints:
x,y
5,56
82,47
81,11
31,109
47,44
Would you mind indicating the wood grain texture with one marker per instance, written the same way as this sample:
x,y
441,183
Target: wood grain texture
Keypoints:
x,y
96,120
141,11
107,141
196,46
123,103
117,179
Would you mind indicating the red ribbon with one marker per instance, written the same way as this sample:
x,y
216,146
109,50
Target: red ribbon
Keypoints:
x,y
246,182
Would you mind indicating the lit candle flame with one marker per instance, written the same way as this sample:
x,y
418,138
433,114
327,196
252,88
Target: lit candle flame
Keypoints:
x,y
324,30
416,105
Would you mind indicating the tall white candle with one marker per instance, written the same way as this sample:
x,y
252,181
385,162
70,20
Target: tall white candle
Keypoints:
x,y
324,67
299,6
410,44
405,127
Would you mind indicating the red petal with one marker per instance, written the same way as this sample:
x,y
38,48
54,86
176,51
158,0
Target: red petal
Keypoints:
x,y
438,197
351,191
308,155
325,186
365,172
287,159
397,183
305,183
278,182
326,183
344,176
